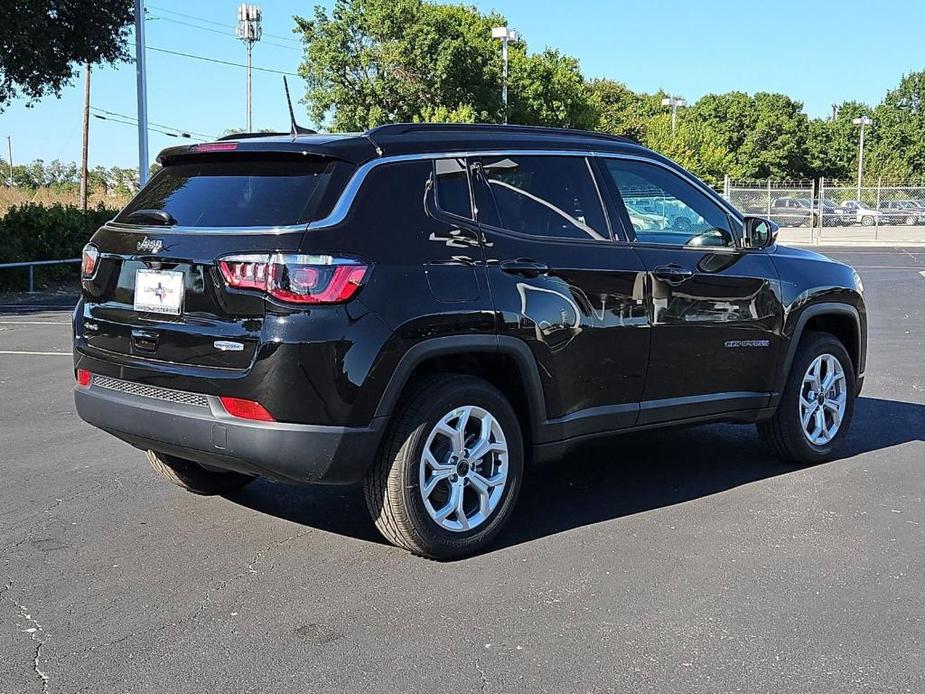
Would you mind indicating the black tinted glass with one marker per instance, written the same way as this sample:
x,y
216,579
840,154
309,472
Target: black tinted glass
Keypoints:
x,y
542,196
240,193
453,187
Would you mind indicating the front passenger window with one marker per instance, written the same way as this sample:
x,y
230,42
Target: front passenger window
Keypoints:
x,y
664,208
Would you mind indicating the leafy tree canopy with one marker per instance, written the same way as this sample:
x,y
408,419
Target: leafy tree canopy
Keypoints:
x,y
41,42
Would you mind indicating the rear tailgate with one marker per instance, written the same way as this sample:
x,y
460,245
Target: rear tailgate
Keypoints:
x,y
156,292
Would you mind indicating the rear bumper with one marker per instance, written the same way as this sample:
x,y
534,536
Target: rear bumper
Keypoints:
x,y
206,434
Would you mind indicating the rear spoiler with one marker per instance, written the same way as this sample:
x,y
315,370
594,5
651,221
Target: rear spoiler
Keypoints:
x,y
354,150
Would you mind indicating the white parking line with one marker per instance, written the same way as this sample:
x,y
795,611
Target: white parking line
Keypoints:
x,y
38,354
31,322
922,273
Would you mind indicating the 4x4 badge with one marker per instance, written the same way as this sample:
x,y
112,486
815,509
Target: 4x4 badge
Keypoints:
x,y
147,245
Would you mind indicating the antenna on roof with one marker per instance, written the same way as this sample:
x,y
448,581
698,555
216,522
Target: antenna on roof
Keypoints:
x,y
296,128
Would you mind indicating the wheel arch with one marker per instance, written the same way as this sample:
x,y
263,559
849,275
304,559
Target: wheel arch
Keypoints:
x,y
490,357
839,319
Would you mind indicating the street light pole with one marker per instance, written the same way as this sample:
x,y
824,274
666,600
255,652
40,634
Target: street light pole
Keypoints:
x,y
249,30
674,102
141,87
506,35
863,121
9,147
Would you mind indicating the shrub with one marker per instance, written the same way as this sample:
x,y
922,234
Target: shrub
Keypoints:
x,y
38,232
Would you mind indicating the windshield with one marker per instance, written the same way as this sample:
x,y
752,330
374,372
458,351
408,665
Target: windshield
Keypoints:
x,y
243,193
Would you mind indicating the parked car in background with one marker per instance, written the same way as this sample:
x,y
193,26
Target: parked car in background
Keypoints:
x,y
915,208
862,214
898,212
792,212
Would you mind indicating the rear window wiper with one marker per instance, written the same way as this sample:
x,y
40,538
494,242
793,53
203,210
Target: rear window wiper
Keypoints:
x,y
150,216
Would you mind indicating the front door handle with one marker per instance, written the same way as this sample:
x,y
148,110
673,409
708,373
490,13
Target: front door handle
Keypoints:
x,y
524,267
673,273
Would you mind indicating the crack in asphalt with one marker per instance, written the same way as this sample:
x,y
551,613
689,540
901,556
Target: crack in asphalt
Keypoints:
x,y
36,632
478,667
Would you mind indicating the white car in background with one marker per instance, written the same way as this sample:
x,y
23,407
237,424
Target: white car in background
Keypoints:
x,y
862,214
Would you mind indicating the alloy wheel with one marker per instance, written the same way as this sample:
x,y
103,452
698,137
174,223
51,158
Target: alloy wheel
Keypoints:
x,y
823,398
463,468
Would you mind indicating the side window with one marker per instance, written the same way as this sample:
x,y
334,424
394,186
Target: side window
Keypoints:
x,y
453,187
664,208
540,196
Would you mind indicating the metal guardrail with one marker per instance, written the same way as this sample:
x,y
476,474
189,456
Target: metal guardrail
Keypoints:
x,y
31,265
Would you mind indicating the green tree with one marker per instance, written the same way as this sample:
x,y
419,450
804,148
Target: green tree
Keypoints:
x,y
897,138
548,89
693,145
41,42
369,62
832,143
622,111
765,134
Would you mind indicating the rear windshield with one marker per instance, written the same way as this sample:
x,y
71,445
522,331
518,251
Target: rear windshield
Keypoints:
x,y
241,193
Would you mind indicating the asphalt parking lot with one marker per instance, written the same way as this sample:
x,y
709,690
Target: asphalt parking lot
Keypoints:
x,y
681,561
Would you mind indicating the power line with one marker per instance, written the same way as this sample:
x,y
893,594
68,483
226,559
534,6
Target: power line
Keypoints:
x,y
212,21
223,33
221,62
163,129
160,125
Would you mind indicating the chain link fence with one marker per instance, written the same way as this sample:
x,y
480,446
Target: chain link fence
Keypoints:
x,y
819,205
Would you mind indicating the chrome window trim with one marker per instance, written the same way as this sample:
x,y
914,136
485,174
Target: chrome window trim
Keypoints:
x,y
224,231
347,197
342,207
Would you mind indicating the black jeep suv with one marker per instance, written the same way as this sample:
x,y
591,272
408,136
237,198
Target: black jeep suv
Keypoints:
x,y
430,309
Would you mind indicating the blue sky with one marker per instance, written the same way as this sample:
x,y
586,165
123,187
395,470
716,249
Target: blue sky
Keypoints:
x,y
820,53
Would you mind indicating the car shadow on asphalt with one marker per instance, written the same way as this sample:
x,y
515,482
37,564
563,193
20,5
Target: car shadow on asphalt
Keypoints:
x,y
609,479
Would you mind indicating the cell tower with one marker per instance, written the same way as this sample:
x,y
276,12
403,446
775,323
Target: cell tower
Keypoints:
x,y
249,31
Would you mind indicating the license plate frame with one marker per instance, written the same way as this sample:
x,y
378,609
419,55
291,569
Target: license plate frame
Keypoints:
x,y
159,291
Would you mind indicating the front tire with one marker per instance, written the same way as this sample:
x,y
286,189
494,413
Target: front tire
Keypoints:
x,y
817,404
449,470
195,478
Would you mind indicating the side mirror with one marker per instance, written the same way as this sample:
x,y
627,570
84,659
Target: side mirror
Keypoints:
x,y
758,232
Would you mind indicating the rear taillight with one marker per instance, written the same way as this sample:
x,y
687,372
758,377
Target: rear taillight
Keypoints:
x,y
245,409
84,378
88,259
296,279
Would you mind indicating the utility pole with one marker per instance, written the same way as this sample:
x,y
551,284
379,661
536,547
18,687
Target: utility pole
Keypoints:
x,y
863,121
141,85
506,35
249,30
84,168
9,148
674,102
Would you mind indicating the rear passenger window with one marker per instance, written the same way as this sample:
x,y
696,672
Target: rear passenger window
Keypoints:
x,y
453,187
540,196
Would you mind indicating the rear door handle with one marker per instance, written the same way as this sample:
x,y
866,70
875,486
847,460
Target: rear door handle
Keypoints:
x,y
524,268
673,273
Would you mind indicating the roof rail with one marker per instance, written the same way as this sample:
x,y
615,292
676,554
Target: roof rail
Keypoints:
x,y
397,129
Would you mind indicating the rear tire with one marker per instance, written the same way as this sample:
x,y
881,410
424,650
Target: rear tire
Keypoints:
x,y
867,221
786,432
194,477
423,469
